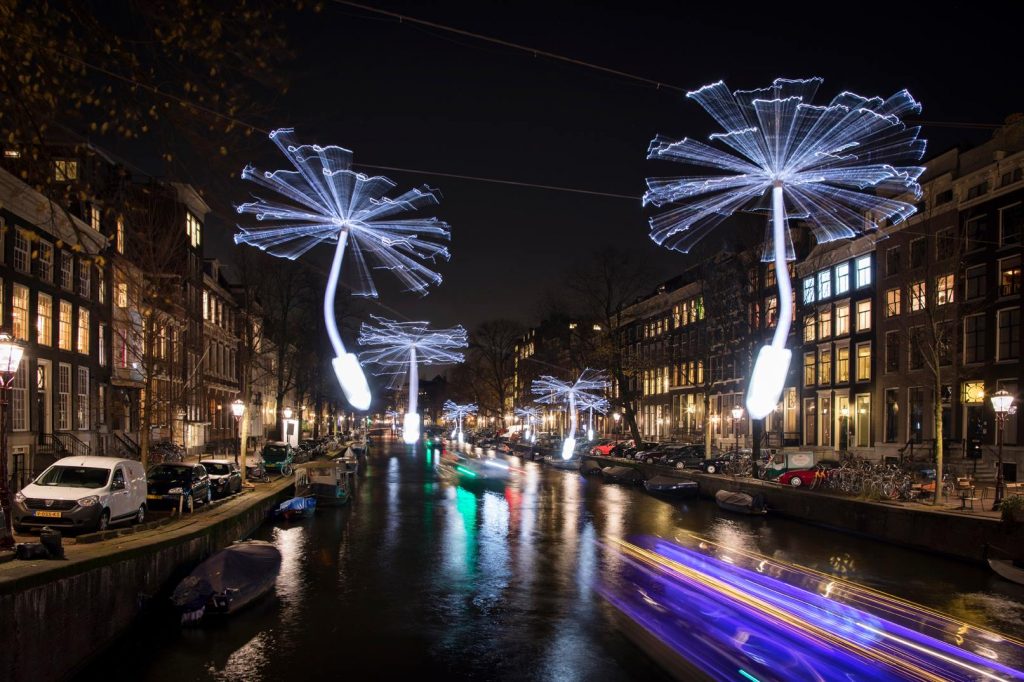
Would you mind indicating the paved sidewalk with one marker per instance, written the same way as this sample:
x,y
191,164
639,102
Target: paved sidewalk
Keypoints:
x,y
127,538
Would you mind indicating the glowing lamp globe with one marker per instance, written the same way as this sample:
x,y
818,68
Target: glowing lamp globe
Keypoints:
x,y
288,413
352,380
568,447
1002,401
238,408
10,357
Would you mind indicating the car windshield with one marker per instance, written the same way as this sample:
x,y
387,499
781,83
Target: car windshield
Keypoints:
x,y
217,468
170,473
74,477
273,453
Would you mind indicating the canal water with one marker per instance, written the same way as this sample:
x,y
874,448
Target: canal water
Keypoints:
x,y
420,578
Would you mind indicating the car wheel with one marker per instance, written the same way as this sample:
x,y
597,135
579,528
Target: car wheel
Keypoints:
x,y
286,470
104,521
679,465
140,516
649,460
711,468
796,481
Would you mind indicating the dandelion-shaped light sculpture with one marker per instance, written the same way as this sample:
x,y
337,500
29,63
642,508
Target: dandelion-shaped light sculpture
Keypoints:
x,y
527,415
586,387
329,202
592,404
394,345
827,165
455,412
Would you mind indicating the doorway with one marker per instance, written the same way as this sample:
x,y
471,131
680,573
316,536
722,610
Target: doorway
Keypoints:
x,y
44,400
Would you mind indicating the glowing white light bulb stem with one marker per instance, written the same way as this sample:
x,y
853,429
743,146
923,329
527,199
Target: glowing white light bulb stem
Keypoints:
x,y
331,292
414,381
781,268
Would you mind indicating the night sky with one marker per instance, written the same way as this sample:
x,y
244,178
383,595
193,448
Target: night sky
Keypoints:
x,y
406,96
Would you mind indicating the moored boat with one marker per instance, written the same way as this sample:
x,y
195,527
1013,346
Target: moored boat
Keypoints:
x,y
1008,569
673,486
329,482
740,502
295,508
228,580
618,474
589,467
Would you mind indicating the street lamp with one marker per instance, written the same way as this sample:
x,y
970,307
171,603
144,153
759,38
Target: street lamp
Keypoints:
x,y
10,358
287,413
1002,403
737,414
238,409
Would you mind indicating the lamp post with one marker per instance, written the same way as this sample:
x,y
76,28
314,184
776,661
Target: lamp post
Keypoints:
x,y
617,416
237,410
737,414
844,435
10,358
287,413
1002,403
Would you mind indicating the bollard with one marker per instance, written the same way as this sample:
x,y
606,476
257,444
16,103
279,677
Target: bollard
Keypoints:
x,y
51,540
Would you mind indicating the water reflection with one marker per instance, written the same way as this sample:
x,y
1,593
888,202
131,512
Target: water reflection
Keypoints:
x,y
419,577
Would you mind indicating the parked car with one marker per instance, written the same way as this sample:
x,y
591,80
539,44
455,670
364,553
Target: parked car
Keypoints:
x,y
636,451
225,476
278,456
683,457
604,447
720,463
86,493
171,485
806,477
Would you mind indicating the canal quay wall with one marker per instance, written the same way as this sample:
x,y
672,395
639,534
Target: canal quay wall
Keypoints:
x,y
958,534
55,615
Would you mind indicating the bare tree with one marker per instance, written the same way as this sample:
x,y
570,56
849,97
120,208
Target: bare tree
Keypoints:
x,y
604,285
492,353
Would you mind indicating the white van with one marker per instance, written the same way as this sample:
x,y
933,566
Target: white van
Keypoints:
x,y
86,493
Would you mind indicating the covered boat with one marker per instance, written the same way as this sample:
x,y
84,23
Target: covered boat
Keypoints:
x,y
228,580
297,507
622,475
571,464
671,486
590,467
740,502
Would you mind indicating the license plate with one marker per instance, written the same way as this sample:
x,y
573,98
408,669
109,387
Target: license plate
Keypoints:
x,y
154,497
49,514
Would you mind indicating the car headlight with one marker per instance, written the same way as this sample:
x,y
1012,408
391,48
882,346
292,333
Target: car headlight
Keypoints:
x,y
175,491
18,497
88,501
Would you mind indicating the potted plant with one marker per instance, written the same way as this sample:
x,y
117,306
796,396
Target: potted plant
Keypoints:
x,y
1012,508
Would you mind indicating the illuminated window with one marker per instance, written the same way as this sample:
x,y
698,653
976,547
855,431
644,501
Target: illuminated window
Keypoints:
x,y
842,319
83,331
119,235
824,365
101,344
809,369
824,285
824,323
864,361
44,320
19,312
917,296
973,392
892,302
771,311
842,278
206,306
842,364
810,326
864,315
863,271
193,229
808,290
1009,276
94,217
65,170
64,326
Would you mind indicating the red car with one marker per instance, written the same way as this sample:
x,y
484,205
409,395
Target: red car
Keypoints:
x,y
605,447
806,477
